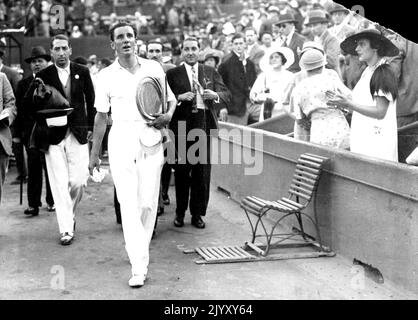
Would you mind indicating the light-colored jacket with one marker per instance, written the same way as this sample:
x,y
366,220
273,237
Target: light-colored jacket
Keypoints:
x,y
8,109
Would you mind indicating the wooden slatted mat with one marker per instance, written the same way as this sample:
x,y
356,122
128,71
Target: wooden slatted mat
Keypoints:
x,y
229,254
222,254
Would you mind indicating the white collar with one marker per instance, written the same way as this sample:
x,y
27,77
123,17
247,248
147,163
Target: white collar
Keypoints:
x,y
66,69
290,36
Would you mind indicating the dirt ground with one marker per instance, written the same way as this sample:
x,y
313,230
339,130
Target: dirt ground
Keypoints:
x,y
33,265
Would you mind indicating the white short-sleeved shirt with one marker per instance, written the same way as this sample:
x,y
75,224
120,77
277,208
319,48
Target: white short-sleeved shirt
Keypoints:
x,y
116,89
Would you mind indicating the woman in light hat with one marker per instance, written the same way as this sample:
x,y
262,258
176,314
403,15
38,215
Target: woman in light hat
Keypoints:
x,y
328,125
373,101
268,89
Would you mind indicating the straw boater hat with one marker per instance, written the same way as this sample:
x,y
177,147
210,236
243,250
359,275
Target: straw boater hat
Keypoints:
x,y
286,52
338,8
316,16
286,18
312,59
349,44
38,52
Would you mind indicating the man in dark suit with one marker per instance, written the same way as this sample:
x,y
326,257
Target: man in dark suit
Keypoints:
x,y
196,88
14,77
290,38
24,123
67,154
239,75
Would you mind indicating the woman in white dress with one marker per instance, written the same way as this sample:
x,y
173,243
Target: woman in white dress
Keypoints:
x,y
373,101
270,85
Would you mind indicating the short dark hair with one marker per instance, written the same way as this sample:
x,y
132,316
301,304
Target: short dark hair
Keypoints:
x,y
190,39
237,36
284,60
384,79
155,42
60,37
119,24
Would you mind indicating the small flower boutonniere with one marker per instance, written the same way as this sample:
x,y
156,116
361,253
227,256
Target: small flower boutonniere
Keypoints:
x,y
206,82
77,76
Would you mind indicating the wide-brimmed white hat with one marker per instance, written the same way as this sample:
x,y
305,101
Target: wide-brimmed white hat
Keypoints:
x,y
286,52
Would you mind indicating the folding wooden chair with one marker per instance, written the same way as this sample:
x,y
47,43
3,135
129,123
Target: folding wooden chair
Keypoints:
x,y
302,189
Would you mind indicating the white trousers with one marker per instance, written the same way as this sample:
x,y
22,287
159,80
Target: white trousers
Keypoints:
x,y
67,165
136,172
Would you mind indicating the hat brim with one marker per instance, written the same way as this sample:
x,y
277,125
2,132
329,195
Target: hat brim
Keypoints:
x,y
286,52
51,113
285,21
349,45
339,10
317,20
44,56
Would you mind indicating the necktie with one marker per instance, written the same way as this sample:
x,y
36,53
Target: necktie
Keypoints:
x,y
244,62
195,89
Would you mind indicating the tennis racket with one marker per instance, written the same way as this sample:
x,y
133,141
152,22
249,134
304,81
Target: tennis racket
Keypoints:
x,y
150,98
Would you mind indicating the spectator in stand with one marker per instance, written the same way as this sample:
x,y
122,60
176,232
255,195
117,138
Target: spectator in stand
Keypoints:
x,y
88,28
290,38
76,33
268,90
266,40
340,17
273,17
238,74
318,22
253,50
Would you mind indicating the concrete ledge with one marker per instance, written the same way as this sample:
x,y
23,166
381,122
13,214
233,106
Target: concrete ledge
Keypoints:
x,y
367,208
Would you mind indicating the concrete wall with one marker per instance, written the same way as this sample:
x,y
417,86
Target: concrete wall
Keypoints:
x,y
367,209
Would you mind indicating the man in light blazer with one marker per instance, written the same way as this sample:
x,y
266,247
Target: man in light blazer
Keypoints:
x,y
7,115
195,110
66,147
17,147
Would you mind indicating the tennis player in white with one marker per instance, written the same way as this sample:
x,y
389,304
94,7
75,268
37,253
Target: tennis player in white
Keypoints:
x,y
135,147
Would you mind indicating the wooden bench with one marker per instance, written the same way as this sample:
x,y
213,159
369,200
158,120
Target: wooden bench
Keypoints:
x,y
301,191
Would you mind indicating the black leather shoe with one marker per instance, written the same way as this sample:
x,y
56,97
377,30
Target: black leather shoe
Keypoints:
x,y
198,222
166,199
31,211
179,221
50,208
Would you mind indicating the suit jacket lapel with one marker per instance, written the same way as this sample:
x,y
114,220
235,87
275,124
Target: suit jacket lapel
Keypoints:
x,y
73,79
184,75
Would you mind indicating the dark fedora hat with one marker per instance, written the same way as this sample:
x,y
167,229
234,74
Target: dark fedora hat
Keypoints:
x,y
38,52
285,18
349,45
317,16
337,8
